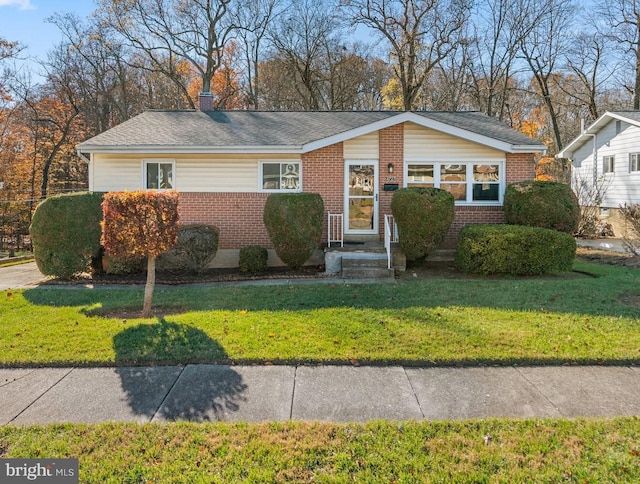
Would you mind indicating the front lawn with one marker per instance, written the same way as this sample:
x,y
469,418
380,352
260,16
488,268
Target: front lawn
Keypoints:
x,y
508,451
573,318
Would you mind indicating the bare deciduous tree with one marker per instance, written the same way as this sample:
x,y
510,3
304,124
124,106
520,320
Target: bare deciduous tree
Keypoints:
x,y
419,33
542,46
167,32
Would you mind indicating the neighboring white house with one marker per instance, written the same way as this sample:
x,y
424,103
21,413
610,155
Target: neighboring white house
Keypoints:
x,y
606,164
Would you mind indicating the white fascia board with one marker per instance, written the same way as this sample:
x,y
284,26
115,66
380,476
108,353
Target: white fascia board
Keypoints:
x,y
173,150
427,123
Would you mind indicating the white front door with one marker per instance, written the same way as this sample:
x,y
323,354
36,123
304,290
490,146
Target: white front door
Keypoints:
x,y
361,197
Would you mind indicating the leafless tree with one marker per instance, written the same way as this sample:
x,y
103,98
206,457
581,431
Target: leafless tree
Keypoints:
x,y
167,32
419,34
499,27
303,38
622,25
253,19
545,41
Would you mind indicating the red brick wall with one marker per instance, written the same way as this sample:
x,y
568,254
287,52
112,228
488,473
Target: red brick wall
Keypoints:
x,y
391,150
239,215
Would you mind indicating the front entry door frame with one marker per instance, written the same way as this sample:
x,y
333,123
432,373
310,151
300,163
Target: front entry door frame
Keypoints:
x,y
361,197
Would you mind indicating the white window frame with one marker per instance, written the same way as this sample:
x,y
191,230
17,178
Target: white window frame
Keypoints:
x,y
634,159
608,161
468,178
146,163
279,190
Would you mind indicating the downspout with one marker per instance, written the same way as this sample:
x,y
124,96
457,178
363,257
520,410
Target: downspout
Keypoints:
x,y
82,156
595,152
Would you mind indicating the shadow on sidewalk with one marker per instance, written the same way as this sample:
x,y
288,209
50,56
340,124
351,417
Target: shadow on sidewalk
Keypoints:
x,y
192,396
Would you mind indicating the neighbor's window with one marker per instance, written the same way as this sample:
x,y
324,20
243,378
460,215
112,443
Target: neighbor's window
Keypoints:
x,y
158,175
467,182
280,176
607,164
634,161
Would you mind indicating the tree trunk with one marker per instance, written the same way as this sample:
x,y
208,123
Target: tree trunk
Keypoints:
x,y
148,288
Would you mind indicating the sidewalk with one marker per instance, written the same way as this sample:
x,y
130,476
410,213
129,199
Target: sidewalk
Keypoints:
x,y
328,393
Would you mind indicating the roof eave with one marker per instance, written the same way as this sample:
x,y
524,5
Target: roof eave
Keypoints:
x,y
426,123
154,149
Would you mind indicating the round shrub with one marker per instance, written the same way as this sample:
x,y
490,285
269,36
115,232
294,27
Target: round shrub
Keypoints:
x,y
513,249
65,232
423,216
253,259
547,204
131,264
196,247
294,222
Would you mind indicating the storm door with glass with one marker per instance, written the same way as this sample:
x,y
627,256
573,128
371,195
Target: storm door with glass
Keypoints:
x,y
361,197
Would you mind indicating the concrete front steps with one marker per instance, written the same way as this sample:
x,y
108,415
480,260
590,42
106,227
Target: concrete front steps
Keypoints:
x,y
359,261
365,265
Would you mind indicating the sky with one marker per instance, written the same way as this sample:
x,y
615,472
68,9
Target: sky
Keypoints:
x,y
25,21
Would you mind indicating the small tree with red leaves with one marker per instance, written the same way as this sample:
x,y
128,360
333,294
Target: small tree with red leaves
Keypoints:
x,y
143,223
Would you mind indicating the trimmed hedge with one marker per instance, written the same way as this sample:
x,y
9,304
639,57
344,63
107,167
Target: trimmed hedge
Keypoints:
x,y
196,247
423,216
253,259
294,222
513,249
65,232
547,204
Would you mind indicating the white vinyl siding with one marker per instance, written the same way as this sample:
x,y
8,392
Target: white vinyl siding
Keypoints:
x,y
365,147
420,142
115,174
621,186
193,173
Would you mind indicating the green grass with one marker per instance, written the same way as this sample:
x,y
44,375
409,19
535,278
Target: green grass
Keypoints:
x,y
507,451
556,319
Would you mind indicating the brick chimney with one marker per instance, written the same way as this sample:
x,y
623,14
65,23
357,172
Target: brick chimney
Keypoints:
x,y
206,101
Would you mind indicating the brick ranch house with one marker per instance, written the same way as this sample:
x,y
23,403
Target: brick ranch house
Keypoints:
x,y
225,163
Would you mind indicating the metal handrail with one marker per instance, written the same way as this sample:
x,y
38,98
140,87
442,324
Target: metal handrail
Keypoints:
x,y
390,236
335,229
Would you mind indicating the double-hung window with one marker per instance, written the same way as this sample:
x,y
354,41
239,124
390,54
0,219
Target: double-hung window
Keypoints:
x,y
608,164
280,176
468,182
159,175
634,161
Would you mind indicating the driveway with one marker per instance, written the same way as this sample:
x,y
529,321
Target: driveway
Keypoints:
x,y
20,276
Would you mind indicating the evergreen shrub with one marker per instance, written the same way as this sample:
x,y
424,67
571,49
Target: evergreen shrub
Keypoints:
x,y
253,259
294,222
513,249
547,204
196,247
65,232
423,217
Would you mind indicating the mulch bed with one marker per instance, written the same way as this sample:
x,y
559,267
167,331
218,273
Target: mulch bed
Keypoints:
x,y
441,269
206,276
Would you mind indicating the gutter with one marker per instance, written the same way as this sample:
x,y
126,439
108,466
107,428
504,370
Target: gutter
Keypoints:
x,y
83,157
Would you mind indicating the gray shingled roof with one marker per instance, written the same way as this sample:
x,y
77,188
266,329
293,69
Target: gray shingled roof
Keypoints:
x,y
270,129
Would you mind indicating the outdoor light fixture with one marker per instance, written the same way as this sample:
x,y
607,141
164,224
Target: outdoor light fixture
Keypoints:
x,y
390,167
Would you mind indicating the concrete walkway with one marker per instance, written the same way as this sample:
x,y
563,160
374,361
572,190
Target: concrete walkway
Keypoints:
x,y
20,276
613,245
327,393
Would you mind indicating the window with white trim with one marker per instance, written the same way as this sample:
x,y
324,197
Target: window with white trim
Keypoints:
x,y
608,164
281,176
634,161
468,182
159,175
